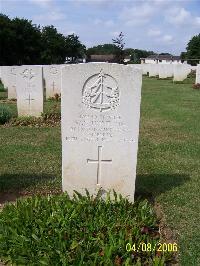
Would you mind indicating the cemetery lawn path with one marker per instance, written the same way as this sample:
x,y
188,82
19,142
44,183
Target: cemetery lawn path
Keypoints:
x,y
168,167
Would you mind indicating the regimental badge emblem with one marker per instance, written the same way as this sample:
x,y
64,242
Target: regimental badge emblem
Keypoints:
x,y
101,92
53,70
28,74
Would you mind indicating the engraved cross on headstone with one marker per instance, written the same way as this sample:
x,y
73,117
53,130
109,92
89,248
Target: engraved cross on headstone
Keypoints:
x,y
29,99
99,161
53,85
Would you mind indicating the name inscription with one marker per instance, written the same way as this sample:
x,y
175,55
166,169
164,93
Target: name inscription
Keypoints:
x,y
93,128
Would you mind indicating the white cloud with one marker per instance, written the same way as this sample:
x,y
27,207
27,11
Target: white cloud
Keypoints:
x,y
137,15
153,33
179,16
115,33
42,3
97,21
197,21
49,17
107,23
167,38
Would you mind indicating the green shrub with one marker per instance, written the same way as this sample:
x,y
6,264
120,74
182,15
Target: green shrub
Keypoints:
x,y
56,97
83,230
1,87
5,114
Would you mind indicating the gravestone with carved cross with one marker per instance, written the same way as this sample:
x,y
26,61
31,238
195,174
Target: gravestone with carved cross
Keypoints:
x,y
100,125
29,91
52,76
12,72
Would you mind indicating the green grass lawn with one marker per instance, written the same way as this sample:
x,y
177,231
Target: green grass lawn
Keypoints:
x,y
168,159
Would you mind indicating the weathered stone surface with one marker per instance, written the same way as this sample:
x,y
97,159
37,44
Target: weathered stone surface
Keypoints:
x,y
180,72
153,70
145,69
4,75
52,77
165,70
12,73
198,74
100,127
29,91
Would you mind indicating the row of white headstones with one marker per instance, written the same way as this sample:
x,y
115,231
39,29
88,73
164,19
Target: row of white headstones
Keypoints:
x,y
100,114
29,82
178,72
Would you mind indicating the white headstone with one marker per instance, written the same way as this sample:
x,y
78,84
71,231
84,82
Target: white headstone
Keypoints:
x,y
153,70
12,73
180,72
4,75
145,68
52,77
100,107
29,91
165,70
198,74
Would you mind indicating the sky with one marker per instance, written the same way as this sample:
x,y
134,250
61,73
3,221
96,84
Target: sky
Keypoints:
x,y
156,25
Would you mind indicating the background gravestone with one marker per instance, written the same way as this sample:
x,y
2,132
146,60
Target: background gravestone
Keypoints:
x,y
100,125
52,77
4,75
12,73
145,69
153,70
198,74
29,91
180,72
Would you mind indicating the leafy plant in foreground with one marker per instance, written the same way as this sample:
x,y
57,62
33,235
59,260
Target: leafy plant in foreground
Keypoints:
x,y
83,230
5,114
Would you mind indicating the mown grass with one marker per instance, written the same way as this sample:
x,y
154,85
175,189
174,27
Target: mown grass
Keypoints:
x,y
168,158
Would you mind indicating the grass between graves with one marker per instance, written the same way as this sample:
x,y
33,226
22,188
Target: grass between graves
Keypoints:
x,y
168,159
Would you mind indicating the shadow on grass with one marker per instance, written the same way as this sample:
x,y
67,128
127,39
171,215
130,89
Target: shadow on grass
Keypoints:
x,y
12,186
150,186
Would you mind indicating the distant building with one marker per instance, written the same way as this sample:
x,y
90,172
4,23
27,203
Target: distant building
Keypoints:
x,y
70,60
109,58
161,59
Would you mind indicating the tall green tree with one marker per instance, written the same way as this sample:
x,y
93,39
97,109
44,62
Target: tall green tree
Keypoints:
x,y
20,41
119,42
107,48
7,39
73,47
53,46
27,45
193,49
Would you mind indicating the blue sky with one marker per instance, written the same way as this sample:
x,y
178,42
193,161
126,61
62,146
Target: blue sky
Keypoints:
x,y
158,25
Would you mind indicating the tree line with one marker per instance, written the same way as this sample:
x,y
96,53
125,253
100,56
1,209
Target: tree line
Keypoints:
x,y
192,54
22,42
